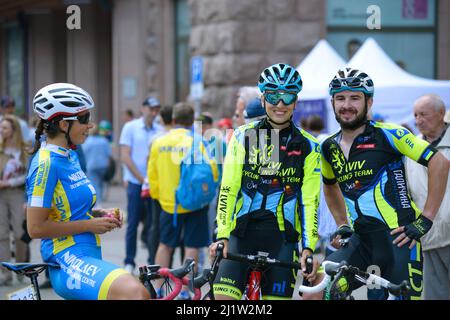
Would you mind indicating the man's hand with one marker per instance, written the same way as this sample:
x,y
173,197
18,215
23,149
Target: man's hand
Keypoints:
x,y
344,231
413,231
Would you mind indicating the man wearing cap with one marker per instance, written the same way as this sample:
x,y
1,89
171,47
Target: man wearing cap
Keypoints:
x,y
135,139
7,106
254,111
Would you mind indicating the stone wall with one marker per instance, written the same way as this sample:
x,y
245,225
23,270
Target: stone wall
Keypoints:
x,y
238,38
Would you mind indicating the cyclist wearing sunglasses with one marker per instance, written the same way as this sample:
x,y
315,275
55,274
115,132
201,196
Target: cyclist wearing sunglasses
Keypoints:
x,y
363,173
269,192
61,198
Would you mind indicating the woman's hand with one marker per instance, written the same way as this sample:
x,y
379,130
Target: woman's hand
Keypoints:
x,y
103,224
213,247
114,213
315,266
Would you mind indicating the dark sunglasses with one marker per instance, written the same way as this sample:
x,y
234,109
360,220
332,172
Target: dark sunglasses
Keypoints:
x,y
83,119
347,82
275,97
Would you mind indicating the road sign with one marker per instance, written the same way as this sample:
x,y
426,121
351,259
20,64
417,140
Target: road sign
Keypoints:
x,y
196,77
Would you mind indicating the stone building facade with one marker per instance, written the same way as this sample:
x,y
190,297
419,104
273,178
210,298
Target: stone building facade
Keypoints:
x,y
128,49
237,39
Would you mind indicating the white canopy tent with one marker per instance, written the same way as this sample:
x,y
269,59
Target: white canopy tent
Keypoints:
x,y
395,89
317,69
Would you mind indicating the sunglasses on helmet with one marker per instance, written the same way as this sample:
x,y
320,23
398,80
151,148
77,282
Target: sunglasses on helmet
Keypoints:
x,y
83,119
274,98
347,82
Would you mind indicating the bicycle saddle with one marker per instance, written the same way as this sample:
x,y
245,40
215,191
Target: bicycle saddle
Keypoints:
x,y
26,267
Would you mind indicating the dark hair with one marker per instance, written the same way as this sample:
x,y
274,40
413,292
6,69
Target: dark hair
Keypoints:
x,y
183,114
315,123
166,114
205,118
50,128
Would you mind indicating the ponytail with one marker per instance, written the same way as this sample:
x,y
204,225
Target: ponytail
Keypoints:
x,y
37,136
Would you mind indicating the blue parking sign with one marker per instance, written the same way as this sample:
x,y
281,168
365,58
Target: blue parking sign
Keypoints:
x,y
196,69
196,91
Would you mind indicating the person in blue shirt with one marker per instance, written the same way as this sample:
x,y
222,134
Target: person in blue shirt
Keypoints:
x,y
61,198
97,150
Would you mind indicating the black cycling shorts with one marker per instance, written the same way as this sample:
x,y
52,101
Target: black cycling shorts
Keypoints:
x,y
276,282
375,253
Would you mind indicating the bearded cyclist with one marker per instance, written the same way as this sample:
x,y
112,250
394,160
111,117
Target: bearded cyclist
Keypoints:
x,y
363,173
269,192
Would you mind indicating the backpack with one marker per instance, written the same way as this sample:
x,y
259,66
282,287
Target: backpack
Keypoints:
x,y
197,187
110,170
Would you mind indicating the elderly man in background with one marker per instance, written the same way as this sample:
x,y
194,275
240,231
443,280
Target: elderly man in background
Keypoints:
x,y
429,112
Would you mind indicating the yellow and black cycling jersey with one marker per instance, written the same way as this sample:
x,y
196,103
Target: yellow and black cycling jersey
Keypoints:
x,y
373,179
271,176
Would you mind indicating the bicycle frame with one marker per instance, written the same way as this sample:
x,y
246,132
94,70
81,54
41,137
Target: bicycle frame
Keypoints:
x,y
257,262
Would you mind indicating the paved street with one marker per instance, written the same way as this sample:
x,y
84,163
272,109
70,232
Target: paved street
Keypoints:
x,y
113,247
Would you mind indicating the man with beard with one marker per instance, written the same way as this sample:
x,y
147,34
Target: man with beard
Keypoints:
x,y
364,175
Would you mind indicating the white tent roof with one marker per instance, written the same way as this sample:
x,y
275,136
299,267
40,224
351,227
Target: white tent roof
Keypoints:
x,y
395,89
317,69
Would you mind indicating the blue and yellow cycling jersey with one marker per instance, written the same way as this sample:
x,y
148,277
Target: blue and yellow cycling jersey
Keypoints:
x,y
372,178
56,181
273,176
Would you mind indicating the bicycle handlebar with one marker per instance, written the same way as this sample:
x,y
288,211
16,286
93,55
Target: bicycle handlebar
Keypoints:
x,y
333,268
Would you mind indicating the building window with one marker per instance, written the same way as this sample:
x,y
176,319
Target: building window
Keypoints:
x,y
15,66
407,34
182,54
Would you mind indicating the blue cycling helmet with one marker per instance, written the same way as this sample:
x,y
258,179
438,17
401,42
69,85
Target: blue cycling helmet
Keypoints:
x,y
353,80
280,76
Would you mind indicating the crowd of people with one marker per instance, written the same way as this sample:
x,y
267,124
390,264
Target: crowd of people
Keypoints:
x,y
293,183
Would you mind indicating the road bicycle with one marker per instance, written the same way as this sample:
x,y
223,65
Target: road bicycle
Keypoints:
x,y
340,279
173,279
258,264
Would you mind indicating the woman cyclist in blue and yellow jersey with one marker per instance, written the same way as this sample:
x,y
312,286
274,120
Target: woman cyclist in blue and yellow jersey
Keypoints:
x,y
60,201
364,175
269,193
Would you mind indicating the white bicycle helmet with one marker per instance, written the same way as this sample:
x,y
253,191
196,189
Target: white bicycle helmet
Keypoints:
x,y
353,80
61,99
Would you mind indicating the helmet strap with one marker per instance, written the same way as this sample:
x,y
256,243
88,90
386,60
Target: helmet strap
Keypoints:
x,y
67,135
69,141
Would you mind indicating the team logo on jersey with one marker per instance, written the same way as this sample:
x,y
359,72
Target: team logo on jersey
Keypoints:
x,y
337,160
400,133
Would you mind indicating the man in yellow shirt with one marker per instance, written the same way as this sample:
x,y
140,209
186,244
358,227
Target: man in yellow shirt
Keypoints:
x,y
166,154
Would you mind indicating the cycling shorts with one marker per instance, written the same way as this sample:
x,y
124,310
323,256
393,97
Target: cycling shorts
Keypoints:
x,y
374,252
83,275
276,282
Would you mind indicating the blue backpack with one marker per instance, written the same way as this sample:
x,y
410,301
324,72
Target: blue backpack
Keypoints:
x,y
197,187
